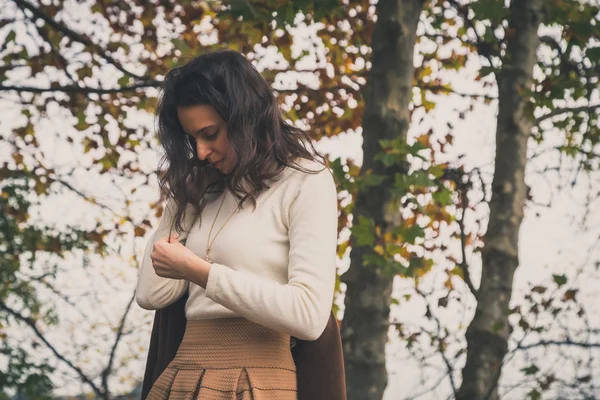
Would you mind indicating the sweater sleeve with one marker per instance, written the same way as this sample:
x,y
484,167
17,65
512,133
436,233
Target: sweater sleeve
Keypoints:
x,y
154,292
300,307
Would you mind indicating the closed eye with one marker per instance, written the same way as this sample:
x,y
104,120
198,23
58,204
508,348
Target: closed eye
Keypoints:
x,y
206,130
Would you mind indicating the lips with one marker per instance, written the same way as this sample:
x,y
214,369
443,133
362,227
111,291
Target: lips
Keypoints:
x,y
216,164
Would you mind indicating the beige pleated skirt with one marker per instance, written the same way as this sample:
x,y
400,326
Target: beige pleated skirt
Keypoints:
x,y
229,359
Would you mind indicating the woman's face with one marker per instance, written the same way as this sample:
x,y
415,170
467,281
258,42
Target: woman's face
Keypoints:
x,y
206,127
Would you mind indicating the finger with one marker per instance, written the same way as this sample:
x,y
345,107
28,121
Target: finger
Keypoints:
x,y
159,267
156,255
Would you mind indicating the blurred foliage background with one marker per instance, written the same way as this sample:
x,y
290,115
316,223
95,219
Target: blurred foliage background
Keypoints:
x,y
430,240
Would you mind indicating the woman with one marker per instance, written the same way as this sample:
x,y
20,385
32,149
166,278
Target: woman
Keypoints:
x,y
258,214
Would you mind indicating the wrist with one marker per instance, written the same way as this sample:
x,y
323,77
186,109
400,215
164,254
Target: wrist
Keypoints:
x,y
197,270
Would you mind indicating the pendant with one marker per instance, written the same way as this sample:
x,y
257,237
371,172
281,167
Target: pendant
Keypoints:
x,y
207,258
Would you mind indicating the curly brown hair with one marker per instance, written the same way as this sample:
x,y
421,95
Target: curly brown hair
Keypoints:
x,y
264,142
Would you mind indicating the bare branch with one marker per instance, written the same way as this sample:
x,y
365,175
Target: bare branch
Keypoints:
x,y
79,89
40,279
29,322
566,342
463,265
58,179
559,111
456,175
106,372
156,84
439,340
304,89
448,38
87,198
441,88
550,41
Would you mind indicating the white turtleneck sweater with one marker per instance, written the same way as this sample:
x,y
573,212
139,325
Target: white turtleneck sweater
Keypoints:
x,y
274,265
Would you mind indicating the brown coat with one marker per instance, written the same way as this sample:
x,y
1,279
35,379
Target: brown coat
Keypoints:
x,y
319,363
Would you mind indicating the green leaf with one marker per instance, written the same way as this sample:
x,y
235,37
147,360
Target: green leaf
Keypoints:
x,y
411,234
181,46
442,196
531,370
493,10
593,54
385,268
11,37
370,180
124,80
364,231
81,124
485,71
389,159
559,279
437,170
84,72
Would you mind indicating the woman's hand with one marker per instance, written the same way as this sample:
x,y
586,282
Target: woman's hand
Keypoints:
x,y
170,258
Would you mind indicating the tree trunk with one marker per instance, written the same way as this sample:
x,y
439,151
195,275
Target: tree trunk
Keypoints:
x,y
487,335
388,93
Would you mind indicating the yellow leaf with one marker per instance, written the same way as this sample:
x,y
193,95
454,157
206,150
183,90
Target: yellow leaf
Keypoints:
x,y
423,72
458,272
424,140
448,283
18,157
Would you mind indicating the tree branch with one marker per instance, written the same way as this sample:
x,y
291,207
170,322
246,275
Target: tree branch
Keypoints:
x,y
463,265
550,41
439,346
58,179
85,197
567,342
456,175
305,89
106,372
440,88
483,48
448,38
40,280
29,322
78,89
37,13
559,111
155,84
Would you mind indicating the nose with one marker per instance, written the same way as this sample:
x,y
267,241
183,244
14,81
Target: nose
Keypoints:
x,y
203,150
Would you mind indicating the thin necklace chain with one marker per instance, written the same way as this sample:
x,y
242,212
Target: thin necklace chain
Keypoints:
x,y
209,243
